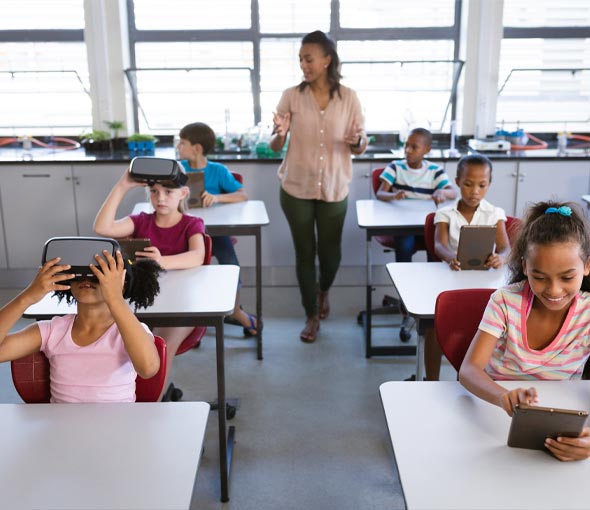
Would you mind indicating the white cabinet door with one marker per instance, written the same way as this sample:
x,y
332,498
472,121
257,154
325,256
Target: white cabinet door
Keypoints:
x,y
92,183
558,180
37,203
502,192
261,183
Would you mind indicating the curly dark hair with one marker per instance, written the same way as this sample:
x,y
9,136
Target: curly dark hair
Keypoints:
x,y
141,284
540,228
329,48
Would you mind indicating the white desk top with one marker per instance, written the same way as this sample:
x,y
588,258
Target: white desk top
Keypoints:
x,y
100,456
586,198
451,453
397,213
240,214
205,290
419,283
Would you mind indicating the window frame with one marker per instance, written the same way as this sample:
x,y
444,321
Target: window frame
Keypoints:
x,y
255,36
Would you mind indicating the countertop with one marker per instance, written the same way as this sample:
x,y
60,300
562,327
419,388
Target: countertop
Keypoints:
x,y
10,155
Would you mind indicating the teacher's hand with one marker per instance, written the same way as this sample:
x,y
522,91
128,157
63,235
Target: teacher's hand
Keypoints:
x,y
281,122
354,136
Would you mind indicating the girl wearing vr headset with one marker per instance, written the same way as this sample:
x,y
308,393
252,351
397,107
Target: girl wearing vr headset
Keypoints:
x,y
96,354
176,238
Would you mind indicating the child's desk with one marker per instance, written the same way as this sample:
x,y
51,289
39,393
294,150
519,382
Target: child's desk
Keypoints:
x,y
238,219
401,217
100,456
419,284
201,296
450,449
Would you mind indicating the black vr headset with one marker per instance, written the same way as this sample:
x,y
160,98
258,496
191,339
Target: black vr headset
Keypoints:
x,y
78,252
152,170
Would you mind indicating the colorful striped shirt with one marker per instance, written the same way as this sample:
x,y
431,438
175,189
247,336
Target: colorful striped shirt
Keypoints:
x,y
505,318
418,183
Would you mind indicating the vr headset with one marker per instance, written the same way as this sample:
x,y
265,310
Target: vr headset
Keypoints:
x,y
78,252
152,170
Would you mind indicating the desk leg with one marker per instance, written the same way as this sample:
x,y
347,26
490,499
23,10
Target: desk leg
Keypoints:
x,y
258,293
225,442
367,323
420,328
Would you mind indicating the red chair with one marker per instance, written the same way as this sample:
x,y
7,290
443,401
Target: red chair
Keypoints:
x,y
457,315
194,339
512,226
30,376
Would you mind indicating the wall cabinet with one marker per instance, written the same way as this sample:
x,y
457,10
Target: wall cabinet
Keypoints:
x,y
37,203
559,180
40,201
92,183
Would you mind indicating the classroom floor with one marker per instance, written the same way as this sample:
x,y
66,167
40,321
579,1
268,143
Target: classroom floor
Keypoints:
x,y
310,430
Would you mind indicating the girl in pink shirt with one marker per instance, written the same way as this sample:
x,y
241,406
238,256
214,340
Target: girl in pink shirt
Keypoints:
x,y
539,326
96,354
176,238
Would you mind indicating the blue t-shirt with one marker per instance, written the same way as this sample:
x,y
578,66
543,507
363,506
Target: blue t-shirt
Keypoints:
x,y
218,179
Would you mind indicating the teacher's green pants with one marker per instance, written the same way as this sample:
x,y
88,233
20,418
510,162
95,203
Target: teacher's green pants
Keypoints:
x,y
316,227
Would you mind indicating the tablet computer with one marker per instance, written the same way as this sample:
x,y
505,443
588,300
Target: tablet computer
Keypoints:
x,y
130,246
531,425
476,243
196,186
78,252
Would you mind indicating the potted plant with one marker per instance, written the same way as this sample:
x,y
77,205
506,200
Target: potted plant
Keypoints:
x,y
96,141
142,143
115,126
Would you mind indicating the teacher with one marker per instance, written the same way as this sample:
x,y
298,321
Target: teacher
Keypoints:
x,y
325,122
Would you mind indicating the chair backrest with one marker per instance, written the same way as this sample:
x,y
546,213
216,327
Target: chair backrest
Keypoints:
x,y
457,315
238,177
429,229
208,249
30,376
512,226
375,181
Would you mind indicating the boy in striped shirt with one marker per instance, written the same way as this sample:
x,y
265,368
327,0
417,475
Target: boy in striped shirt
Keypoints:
x,y
414,178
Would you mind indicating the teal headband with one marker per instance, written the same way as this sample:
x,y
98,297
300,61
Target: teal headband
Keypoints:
x,y
564,210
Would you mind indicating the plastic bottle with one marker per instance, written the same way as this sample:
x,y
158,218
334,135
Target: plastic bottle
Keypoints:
x,y
561,143
27,147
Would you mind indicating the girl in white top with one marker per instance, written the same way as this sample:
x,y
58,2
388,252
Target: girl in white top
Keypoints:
x,y
474,176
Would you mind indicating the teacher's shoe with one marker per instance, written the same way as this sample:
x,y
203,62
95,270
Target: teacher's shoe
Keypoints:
x,y
323,304
309,332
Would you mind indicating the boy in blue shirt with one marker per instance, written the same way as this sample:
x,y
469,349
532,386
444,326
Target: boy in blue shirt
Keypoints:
x,y
196,141
414,178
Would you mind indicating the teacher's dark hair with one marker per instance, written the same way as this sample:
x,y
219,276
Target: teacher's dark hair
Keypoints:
x,y
329,47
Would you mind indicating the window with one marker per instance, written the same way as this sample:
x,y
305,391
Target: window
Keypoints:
x,y
544,78
44,81
256,50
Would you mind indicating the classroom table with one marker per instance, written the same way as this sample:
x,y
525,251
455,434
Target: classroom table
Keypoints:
x,y
100,456
419,284
201,296
238,219
451,453
401,217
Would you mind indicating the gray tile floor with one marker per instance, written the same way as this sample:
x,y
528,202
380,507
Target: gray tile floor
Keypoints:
x,y
310,432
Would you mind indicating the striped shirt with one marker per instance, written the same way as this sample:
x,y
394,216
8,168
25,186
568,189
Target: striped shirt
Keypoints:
x,y
416,182
505,318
